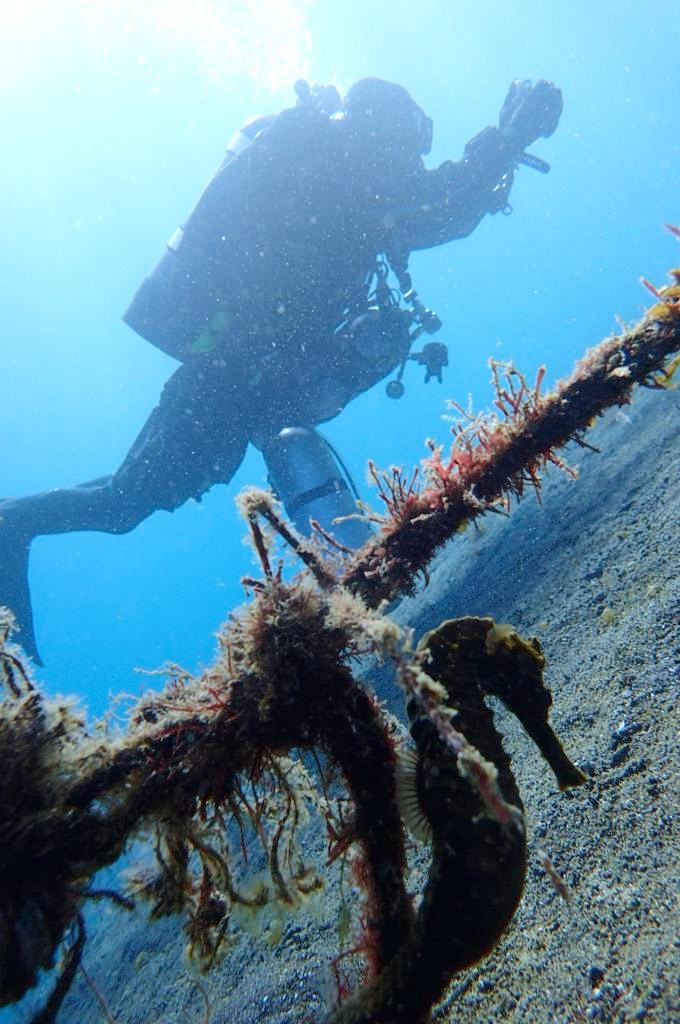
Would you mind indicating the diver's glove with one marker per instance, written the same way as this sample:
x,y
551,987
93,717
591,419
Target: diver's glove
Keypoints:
x,y
529,112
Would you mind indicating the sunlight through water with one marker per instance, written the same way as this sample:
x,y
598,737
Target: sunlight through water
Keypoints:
x,y
265,41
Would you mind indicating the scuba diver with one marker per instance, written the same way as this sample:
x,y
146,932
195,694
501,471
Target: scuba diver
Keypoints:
x,y
275,296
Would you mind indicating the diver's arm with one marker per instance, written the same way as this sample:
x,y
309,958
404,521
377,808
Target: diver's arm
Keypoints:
x,y
451,200
454,197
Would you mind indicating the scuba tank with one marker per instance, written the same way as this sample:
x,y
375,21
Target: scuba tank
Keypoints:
x,y
308,476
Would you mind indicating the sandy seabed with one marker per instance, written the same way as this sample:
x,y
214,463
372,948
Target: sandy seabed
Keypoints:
x,y
593,572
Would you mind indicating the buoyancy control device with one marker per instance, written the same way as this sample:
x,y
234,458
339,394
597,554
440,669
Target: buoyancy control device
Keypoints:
x,y
173,308
166,309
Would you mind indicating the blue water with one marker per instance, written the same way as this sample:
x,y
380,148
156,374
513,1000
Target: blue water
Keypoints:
x,y
114,116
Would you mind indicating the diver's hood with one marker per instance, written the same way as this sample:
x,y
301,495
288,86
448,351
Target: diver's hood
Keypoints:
x,y
387,111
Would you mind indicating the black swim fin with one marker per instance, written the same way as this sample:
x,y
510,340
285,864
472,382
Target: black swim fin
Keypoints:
x,y
16,595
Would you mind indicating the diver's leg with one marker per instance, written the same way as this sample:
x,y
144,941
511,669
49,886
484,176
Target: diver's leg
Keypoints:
x,y
194,438
98,505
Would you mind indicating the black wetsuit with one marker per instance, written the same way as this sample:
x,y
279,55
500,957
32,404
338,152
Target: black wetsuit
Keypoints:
x,y
289,234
